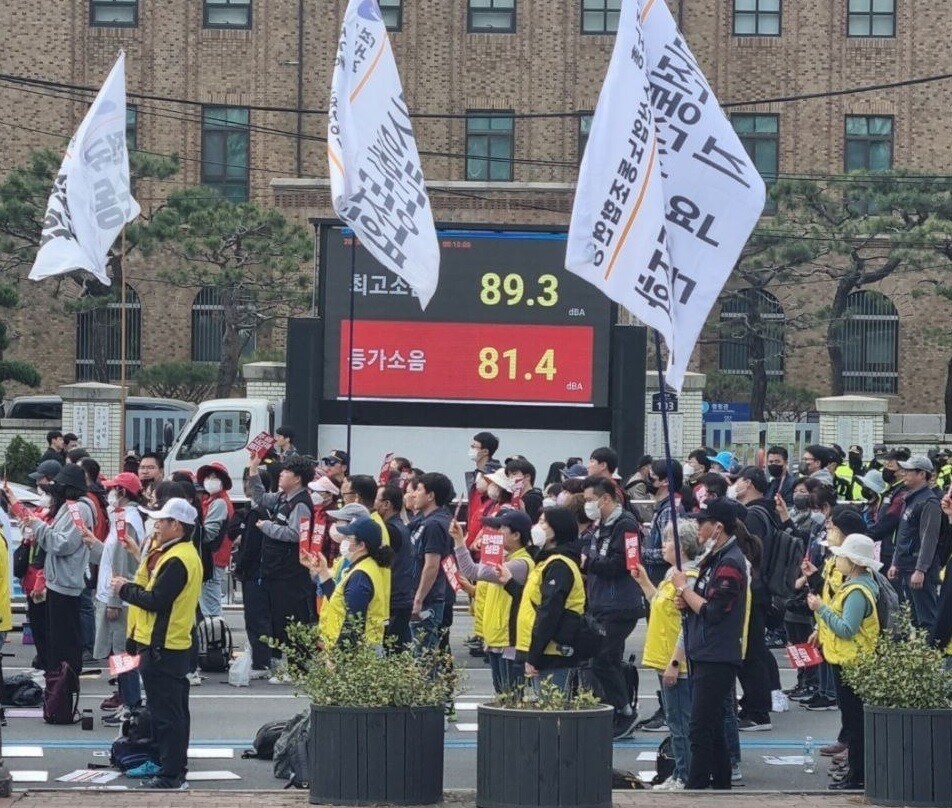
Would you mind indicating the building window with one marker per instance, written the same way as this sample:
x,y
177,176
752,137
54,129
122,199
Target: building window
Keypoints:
x,y
869,143
760,135
738,335
208,328
866,18
600,16
227,13
868,337
98,338
392,11
584,130
756,17
489,146
114,13
225,149
132,126
492,16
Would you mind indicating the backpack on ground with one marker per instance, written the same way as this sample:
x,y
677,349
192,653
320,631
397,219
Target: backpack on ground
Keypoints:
x,y
214,645
624,780
61,696
291,759
664,761
265,739
21,691
135,745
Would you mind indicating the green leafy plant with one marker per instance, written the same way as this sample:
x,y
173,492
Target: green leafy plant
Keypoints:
x,y
360,674
21,459
903,672
188,381
548,698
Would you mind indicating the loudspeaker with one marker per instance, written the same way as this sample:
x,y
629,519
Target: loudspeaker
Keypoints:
x,y
305,377
626,394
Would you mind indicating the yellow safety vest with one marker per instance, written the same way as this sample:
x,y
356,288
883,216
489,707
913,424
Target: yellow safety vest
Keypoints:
x,y
838,651
497,606
846,483
664,625
479,607
6,611
386,577
832,583
532,598
178,634
334,613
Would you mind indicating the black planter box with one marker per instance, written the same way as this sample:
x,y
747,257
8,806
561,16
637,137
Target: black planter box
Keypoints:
x,y
909,757
376,755
544,759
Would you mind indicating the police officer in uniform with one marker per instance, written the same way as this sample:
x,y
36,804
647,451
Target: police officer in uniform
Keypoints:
x,y
163,599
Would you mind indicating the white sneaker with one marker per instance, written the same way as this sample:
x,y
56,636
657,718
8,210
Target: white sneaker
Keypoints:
x,y
671,784
260,673
194,678
280,679
779,702
736,773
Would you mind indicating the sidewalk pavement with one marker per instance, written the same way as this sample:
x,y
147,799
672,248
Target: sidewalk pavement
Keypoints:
x,y
105,798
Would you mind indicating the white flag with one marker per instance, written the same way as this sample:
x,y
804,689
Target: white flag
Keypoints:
x,y
377,184
616,236
91,199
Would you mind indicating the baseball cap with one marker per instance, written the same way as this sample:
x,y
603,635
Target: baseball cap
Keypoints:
x,y
350,512
717,510
177,509
364,529
48,469
126,480
574,472
856,449
725,460
512,518
337,456
917,463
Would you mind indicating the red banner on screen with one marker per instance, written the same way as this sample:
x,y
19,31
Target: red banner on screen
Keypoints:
x,y
468,361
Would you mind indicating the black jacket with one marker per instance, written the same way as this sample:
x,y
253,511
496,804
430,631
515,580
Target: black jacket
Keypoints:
x,y
612,592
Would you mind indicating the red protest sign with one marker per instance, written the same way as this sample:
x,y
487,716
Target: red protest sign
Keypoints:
x,y
261,444
304,534
491,550
122,663
632,550
19,510
452,572
76,516
804,655
121,525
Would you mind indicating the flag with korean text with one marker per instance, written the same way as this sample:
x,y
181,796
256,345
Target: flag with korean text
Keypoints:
x,y
377,184
91,200
712,193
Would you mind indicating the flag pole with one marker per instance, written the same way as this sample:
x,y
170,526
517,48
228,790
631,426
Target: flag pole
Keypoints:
x,y
122,349
667,452
350,353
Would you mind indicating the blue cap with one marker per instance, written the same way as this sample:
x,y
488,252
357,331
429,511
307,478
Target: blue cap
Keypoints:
x,y
365,530
725,460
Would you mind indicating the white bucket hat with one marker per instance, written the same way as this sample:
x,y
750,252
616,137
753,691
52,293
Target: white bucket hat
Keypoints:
x,y
859,549
499,478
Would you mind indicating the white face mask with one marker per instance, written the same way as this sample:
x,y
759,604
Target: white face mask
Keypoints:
x,y
44,501
493,492
345,548
112,498
481,484
592,511
316,498
549,502
687,470
212,485
473,453
732,491
538,535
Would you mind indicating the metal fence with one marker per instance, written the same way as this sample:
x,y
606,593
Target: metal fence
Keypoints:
x,y
719,437
145,430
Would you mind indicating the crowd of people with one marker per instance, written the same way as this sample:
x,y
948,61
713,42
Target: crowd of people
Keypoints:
x,y
133,564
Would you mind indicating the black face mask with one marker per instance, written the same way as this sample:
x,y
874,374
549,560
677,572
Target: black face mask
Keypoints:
x,y
801,501
775,470
889,476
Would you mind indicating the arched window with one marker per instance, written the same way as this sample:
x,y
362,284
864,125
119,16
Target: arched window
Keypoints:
x,y
869,338
740,330
208,327
98,337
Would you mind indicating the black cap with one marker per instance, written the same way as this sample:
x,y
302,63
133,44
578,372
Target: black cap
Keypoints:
x,y
365,530
516,520
48,469
718,510
73,476
337,456
848,520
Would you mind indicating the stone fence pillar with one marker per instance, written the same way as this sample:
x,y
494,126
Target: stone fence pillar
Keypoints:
x,y
93,412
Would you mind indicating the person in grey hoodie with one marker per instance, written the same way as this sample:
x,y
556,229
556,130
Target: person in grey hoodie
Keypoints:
x,y
65,567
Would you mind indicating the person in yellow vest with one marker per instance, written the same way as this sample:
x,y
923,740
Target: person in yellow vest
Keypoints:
x,y
554,586
163,599
853,625
498,614
664,647
358,605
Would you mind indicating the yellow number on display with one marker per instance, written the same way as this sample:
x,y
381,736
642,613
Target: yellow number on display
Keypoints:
x,y
488,362
550,290
513,286
546,366
490,294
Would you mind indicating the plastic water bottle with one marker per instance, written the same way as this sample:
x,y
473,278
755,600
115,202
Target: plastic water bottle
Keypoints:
x,y
809,761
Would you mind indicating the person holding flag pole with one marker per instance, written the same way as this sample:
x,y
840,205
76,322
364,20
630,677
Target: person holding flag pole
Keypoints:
x,y
377,185
666,199
91,201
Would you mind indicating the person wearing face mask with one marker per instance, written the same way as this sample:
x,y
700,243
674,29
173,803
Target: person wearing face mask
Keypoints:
x,y
614,599
553,587
848,468
873,487
338,518
851,628
388,506
891,505
657,482
636,488
481,450
324,497
782,481
723,462
357,607
217,511
526,496
498,614
716,609
119,556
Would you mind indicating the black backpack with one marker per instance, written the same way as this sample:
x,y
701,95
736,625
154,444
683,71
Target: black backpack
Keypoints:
x,y
265,739
61,696
214,645
664,761
21,691
582,633
291,754
783,554
134,746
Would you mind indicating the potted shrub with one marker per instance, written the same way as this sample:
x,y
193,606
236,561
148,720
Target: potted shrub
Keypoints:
x,y
377,720
907,695
544,750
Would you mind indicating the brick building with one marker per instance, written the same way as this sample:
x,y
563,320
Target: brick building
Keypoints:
x,y
220,82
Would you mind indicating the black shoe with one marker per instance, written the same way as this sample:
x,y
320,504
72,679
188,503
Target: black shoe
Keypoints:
x,y
754,725
623,726
847,784
819,703
165,784
804,694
